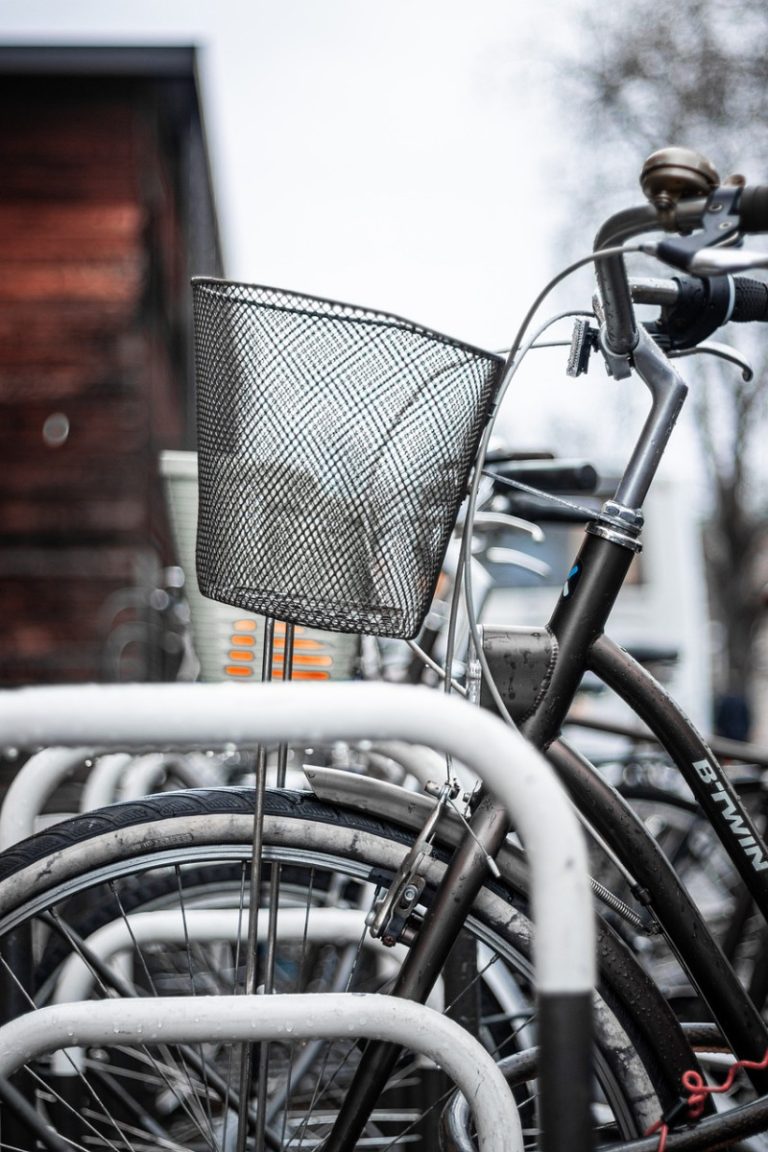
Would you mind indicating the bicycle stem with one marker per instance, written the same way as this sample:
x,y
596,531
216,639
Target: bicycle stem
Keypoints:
x,y
668,391
620,328
622,341
620,337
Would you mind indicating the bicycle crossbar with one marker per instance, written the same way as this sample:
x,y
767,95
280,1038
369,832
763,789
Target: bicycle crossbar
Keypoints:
x,y
286,1018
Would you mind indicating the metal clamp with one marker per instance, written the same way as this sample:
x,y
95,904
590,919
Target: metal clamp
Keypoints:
x,y
608,532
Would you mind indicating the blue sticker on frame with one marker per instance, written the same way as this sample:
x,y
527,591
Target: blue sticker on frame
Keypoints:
x,y
571,581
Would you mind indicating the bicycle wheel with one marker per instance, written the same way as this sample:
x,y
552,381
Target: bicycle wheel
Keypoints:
x,y
178,858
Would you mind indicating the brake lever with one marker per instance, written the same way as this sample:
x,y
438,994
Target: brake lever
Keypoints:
x,y
719,229
722,351
722,261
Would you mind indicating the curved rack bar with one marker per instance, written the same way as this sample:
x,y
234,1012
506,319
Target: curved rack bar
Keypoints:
x,y
206,715
196,1019
33,784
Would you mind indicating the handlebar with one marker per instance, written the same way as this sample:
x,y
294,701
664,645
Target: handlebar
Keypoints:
x,y
707,227
556,476
706,219
751,300
748,297
693,308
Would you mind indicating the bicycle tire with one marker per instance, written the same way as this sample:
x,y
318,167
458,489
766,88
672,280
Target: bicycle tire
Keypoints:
x,y
95,853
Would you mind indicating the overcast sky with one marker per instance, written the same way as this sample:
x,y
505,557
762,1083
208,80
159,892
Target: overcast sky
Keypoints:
x,y
405,155
393,154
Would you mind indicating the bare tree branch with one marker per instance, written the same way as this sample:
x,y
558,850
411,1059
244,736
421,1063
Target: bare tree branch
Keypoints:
x,y
643,76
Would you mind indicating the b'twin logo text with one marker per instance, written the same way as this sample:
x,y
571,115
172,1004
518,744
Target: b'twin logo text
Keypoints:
x,y
738,827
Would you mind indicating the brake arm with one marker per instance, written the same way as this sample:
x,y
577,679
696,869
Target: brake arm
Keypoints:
x,y
389,917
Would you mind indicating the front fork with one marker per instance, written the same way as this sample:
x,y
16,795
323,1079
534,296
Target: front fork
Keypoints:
x,y
463,879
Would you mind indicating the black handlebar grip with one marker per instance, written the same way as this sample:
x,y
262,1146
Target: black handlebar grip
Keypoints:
x,y
750,300
548,475
753,208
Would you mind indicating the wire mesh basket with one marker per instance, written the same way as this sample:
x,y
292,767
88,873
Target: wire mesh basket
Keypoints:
x,y
334,448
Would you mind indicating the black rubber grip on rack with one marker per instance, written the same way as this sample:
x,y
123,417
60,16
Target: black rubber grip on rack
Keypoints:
x,y
753,208
750,300
564,1024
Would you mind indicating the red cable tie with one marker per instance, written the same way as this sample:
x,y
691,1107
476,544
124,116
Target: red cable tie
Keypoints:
x,y
697,1090
662,1130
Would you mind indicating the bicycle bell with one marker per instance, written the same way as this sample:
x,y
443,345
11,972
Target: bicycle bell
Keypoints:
x,y
673,174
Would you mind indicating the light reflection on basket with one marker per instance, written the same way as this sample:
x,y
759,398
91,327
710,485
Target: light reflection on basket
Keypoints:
x,y
229,642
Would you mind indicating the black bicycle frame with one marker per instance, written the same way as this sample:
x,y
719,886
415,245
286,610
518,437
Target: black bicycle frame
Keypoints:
x,y
697,764
576,626
684,928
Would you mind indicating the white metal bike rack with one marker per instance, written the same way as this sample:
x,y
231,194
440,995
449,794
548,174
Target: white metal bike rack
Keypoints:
x,y
32,785
187,716
196,1019
120,776
172,926
111,778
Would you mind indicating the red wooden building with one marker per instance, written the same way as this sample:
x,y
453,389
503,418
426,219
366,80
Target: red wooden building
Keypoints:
x,y
106,210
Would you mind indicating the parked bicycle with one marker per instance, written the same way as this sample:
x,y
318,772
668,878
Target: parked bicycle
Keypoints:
x,y
309,515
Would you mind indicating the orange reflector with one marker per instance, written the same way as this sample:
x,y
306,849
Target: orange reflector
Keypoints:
x,y
244,625
441,590
307,661
305,645
245,640
302,674
242,654
238,670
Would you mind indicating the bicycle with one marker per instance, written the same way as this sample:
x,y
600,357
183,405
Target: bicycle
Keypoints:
x,y
639,1073
555,658
329,869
